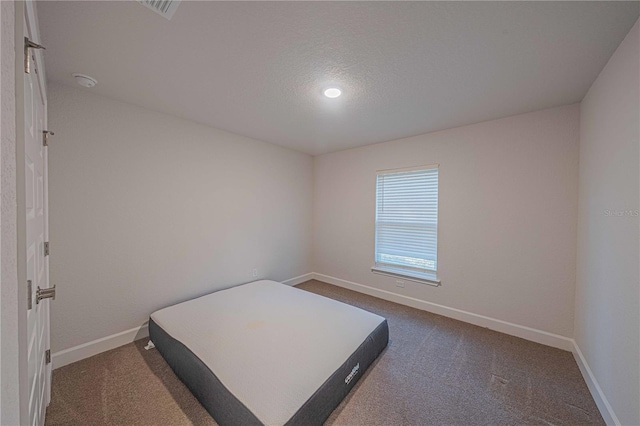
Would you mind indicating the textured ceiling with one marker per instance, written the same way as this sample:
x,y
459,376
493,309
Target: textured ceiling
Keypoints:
x,y
258,68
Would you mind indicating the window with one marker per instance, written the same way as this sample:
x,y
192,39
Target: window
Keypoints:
x,y
407,223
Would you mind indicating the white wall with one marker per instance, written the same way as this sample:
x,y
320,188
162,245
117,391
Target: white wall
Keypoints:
x,y
507,216
507,233
607,324
147,210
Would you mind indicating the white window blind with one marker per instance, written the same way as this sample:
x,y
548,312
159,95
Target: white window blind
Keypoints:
x,y
407,220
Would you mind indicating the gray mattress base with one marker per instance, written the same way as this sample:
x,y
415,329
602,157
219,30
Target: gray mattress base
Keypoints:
x,y
226,409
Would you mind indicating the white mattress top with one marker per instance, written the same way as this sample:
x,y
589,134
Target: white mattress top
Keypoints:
x,y
272,346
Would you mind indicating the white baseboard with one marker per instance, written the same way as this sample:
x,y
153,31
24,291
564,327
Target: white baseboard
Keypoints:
x,y
104,344
528,333
605,408
521,331
299,279
86,350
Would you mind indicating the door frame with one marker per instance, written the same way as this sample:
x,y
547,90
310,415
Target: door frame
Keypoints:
x,y
21,228
13,314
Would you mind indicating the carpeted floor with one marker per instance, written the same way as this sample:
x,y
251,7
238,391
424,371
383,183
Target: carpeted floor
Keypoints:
x,y
435,371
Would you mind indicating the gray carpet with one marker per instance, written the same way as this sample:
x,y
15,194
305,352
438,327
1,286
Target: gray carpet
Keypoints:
x,y
436,371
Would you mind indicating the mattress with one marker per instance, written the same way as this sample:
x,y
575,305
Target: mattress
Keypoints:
x,y
266,353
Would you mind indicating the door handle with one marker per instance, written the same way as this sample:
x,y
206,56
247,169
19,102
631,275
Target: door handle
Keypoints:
x,y
45,293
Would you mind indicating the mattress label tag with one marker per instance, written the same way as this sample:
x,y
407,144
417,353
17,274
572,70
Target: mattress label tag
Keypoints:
x,y
352,374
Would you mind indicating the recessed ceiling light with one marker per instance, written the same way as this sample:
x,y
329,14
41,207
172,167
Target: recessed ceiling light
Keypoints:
x,y
332,92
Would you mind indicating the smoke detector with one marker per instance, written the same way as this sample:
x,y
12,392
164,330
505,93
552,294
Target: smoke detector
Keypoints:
x,y
164,8
85,80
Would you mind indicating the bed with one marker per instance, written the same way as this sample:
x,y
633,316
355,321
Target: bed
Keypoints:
x,y
265,353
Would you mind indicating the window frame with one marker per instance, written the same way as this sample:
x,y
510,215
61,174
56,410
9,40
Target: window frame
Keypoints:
x,y
406,273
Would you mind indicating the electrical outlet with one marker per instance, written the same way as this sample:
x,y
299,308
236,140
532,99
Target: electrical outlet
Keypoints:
x,y
255,273
399,283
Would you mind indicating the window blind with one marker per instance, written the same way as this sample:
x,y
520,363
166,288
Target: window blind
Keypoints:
x,y
407,219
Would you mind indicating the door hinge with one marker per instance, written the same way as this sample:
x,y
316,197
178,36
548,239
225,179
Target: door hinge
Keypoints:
x,y
28,44
29,295
46,248
45,137
47,356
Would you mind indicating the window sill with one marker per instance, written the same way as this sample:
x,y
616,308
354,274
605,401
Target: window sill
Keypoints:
x,y
429,279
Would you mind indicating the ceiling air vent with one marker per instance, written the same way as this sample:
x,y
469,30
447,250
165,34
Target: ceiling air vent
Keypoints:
x,y
164,8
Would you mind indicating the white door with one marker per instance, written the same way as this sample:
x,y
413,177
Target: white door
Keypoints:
x,y
36,196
